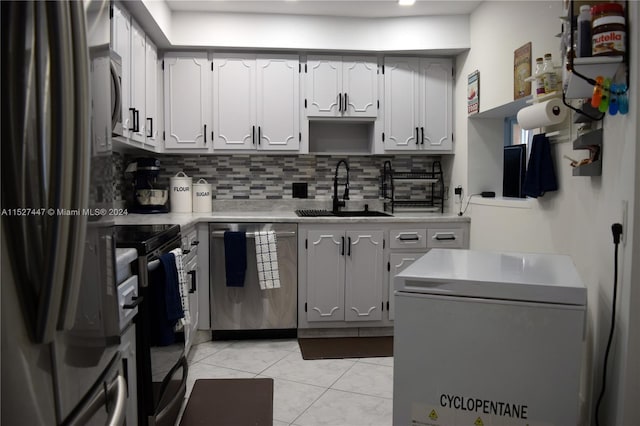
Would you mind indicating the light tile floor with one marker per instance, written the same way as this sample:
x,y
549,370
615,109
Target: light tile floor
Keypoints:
x,y
340,392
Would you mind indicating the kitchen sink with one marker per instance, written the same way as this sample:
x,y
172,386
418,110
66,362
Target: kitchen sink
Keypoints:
x,y
342,213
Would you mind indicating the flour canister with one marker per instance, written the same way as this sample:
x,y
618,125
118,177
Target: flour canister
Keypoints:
x,y
202,196
180,194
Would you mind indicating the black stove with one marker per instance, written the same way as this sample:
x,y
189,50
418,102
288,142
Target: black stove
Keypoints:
x,y
145,238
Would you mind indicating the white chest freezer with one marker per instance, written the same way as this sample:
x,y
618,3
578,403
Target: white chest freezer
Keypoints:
x,y
488,339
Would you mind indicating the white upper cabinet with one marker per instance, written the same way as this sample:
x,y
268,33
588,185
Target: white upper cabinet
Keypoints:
x,y
436,108
187,101
234,105
121,44
256,103
401,104
278,103
418,104
138,83
151,118
341,86
139,80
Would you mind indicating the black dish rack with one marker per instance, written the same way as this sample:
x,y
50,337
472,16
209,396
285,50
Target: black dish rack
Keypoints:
x,y
433,182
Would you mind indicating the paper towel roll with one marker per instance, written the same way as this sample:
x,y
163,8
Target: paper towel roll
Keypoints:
x,y
542,114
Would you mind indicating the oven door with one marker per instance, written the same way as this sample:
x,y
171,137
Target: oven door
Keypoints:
x,y
162,365
116,94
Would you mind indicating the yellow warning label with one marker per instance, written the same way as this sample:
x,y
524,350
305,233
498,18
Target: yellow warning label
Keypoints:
x,y
433,415
478,422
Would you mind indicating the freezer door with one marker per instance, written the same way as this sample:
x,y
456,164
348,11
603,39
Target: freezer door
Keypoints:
x,y
106,403
504,362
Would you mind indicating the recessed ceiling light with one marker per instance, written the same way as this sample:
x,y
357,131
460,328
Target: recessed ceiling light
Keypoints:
x,y
406,2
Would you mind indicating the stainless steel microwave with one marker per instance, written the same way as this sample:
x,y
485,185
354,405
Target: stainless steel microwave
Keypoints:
x,y
116,94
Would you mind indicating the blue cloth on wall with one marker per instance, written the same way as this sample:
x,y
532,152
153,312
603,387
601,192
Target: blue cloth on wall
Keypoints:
x,y
235,257
540,176
165,304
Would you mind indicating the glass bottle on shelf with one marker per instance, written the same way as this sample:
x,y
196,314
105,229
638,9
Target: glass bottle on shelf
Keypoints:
x,y
539,77
549,73
583,49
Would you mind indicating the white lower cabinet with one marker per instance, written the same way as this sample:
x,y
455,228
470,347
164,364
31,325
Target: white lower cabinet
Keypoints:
x,y
343,275
397,263
406,244
346,271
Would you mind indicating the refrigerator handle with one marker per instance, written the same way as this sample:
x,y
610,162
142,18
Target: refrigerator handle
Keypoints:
x,y
57,237
79,174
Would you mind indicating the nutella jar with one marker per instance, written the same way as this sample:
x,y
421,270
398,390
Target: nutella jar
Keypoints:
x,y
608,30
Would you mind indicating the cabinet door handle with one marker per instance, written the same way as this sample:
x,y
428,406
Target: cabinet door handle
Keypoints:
x,y
346,103
193,281
408,237
342,246
133,120
137,120
150,120
259,134
444,237
349,244
253,135
205,134
417,137
339,102
422,134
135,301
195,242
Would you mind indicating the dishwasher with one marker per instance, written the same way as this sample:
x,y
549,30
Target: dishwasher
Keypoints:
x,y
249,311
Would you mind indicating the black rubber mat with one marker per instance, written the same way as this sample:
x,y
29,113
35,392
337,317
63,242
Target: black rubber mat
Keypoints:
x,y
346,347
230,402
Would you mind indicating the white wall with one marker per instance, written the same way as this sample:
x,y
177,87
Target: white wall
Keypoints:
x,y
576,220
300,32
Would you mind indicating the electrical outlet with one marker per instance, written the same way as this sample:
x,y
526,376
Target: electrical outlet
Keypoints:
x,y
458,192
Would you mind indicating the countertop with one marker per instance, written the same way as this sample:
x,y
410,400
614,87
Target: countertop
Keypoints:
x,y
186,220
282,211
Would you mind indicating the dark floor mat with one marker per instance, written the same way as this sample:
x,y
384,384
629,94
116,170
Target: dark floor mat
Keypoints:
x,y
230,402
346,347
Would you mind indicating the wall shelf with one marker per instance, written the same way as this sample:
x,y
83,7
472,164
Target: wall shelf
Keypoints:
x,y
576,87
591,141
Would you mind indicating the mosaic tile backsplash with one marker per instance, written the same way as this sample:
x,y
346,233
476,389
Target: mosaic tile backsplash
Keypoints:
x,y
264,177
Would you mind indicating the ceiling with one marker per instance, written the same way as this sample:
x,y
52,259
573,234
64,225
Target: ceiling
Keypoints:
x,y
345,8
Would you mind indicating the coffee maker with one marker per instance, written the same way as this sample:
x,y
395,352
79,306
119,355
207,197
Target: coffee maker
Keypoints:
x,y
147,196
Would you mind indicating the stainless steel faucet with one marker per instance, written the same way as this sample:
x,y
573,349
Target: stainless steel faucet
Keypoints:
x,y
336,203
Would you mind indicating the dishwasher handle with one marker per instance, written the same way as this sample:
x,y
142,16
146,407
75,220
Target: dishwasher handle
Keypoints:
x,y
279,234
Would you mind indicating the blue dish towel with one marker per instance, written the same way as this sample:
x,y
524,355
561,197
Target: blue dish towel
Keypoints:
x,y
235,257
540,176
165,306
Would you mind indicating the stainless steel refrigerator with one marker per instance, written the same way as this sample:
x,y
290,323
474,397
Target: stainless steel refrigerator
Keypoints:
x,y
60,331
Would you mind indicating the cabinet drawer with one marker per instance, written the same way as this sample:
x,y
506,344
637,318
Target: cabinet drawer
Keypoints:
x,y
445,238
408,238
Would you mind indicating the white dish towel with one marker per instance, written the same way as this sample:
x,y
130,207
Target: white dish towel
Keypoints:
x,y
182,286
267,260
